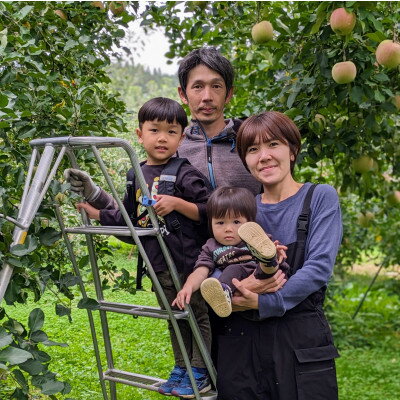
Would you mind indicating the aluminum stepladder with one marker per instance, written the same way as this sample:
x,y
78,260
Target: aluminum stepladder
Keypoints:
x,y
36,186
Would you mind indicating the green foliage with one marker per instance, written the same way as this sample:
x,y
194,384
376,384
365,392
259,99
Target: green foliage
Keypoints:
x,y
292,74
54,82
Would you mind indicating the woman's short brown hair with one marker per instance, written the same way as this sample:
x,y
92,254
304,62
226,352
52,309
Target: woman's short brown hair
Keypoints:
x,y
234,201
266,126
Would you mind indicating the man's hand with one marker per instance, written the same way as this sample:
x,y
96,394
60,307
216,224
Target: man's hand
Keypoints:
x,y
269,285
165,204
81,183
93,213
243,298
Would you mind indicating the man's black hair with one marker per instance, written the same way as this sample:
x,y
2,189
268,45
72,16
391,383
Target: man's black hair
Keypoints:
x,y
211,58
162,109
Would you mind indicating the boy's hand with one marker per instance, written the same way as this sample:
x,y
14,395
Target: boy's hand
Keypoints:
x,y
81,183
280,251
165,204
92,212
183,297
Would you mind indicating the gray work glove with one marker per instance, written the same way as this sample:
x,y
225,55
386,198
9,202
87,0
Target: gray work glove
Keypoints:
x,y
81,183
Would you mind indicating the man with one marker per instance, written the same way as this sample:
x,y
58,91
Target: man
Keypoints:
x,y
206,86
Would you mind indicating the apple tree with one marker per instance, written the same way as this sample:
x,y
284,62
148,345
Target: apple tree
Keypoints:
x,y
350,124
53,82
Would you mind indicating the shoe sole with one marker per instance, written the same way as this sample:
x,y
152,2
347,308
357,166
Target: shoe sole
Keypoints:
x,y
258,242
214,295
192,396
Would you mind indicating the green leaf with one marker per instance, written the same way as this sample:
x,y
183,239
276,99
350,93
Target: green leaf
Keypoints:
x,y
3,367
89,304
62,310
3,100
14,356
38,336
49,236
36,320
51,343
32,367
52,387
26,248
23,12
5,338
356,94
20,378
3,40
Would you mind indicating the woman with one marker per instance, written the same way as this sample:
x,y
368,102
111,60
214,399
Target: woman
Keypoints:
x,y
283,349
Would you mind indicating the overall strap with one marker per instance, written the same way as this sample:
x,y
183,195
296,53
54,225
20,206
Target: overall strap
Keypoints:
x,y
302,230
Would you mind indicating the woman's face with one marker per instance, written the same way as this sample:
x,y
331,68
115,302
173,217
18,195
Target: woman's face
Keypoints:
x,y
269,161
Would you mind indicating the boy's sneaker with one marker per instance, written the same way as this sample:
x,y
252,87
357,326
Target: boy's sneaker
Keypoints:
x,y
260,245
185,390
218,296
175,378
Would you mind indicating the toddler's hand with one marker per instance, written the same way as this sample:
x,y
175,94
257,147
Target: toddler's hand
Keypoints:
x,y
182,298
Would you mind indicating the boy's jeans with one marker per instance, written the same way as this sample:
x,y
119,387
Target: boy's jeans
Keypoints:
x,y
200,311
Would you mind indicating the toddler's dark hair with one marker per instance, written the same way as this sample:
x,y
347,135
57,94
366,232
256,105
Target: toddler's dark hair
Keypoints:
x,y
162,109
234,201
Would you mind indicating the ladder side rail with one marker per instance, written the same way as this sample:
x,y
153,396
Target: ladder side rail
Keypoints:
x,y
29,175
80,141
168,257
84,295
27,212
99,291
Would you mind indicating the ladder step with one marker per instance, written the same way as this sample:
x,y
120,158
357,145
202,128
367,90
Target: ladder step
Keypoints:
x,y
144,381
143,311
110,230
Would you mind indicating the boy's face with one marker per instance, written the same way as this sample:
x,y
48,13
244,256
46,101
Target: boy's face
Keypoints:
x,y
160,139
206,95
225,230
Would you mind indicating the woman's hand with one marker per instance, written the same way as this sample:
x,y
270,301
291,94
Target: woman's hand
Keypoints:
x,y
243,299
93,213
280,251
269,285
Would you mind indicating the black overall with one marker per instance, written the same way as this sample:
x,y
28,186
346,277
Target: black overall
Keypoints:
x,y
280,358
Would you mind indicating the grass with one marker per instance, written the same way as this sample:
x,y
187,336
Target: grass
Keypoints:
x,y
368,369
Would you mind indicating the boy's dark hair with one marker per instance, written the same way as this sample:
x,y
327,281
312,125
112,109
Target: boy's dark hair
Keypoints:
x,y
162,109
269,125
234,201
211,58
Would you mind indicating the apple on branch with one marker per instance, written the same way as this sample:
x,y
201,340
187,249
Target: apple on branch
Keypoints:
x,y
344,72
342,21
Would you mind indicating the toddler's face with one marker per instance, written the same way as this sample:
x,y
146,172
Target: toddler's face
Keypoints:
x,y
225,229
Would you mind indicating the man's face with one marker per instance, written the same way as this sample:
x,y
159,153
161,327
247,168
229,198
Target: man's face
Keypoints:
x,y
206,95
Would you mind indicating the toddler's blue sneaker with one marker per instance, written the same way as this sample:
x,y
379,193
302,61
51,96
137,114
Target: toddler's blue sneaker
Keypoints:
x,y
185,390
175,378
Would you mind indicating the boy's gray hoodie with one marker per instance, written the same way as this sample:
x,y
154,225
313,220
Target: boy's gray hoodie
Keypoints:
x,y
217,157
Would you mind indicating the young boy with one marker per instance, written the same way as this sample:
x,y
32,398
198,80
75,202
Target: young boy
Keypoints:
x,y
161,125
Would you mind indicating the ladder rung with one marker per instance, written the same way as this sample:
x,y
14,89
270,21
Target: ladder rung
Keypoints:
x,y
111,230
144,381
143,311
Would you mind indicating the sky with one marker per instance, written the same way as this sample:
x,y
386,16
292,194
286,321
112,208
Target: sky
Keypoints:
x,y
151,52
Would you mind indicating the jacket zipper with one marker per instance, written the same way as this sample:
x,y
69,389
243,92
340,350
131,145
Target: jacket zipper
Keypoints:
x,y
209,163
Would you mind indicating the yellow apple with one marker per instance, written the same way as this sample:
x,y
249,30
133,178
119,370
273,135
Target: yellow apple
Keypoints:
x,y
61,14
364,164
344,72
117,7
342,21
98,4
388,54
364,219
262,32
393,198
396,101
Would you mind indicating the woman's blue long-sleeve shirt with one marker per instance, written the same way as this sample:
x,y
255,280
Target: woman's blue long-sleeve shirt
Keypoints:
x,y
322,244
